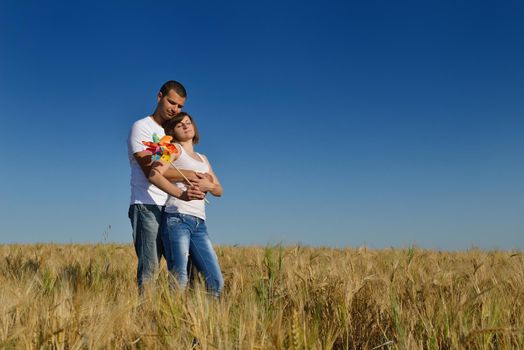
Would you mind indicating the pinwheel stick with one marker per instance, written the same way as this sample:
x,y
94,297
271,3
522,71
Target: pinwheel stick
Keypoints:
x,y
181,173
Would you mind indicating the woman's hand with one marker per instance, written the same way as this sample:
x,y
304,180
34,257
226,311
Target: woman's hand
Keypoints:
x,y
205,182
206,175
208,182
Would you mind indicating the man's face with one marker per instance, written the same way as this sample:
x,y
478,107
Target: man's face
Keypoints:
x,y
169,105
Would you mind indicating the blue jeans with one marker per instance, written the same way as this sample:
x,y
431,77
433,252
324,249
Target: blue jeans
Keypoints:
x,y
184,235
145,220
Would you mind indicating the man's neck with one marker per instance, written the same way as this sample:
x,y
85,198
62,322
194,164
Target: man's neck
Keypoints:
x,y
157,118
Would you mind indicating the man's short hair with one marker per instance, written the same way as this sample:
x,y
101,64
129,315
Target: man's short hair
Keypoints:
x,y
173,85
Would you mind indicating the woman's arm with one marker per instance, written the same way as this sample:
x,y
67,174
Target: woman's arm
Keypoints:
x,y
144,160
174,175
206,185
157,178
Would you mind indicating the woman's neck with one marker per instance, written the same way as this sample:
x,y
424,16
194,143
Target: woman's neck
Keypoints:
x,y
188,146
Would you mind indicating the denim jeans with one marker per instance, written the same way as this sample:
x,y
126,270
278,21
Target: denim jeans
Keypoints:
x,y
145,220
186,235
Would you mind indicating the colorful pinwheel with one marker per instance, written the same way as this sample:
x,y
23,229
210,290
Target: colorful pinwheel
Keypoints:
x,y
162,148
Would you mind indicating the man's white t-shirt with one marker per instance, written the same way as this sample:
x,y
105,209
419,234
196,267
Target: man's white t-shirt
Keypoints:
x,y
142,191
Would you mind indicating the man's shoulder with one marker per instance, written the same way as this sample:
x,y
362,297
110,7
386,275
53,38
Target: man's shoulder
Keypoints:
x,y
140,130
143,129
142,122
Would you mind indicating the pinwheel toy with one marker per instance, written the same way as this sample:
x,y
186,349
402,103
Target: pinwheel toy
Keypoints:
x,y
162,149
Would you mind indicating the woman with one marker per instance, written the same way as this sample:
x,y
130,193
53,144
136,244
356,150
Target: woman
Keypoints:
x,y
183,228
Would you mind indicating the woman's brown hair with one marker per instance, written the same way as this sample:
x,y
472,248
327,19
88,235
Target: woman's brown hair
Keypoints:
x,y
169,126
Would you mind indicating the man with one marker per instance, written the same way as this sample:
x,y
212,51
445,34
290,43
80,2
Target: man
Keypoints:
x,y
147,200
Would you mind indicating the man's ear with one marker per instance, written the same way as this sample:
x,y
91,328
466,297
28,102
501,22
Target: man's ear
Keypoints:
x,y
159,96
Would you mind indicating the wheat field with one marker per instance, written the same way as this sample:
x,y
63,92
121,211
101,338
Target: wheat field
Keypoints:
x,y
275,297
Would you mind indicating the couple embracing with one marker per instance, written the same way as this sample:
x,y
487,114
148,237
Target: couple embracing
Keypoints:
x,y
167,209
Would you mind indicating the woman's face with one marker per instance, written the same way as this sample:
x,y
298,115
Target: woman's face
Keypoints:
x,y
184,130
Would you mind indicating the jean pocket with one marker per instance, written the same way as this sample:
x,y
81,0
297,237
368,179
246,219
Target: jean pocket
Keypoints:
x,y
173,220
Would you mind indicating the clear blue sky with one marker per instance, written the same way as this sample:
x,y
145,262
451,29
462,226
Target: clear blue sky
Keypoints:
x,y
340,123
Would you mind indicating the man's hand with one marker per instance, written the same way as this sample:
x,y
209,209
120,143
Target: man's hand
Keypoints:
x,y
192,193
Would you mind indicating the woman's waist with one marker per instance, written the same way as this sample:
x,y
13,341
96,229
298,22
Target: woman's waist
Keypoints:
x,y
183,217
194,207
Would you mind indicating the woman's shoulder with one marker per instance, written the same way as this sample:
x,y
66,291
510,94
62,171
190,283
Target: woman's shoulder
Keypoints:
x,y
178,152
203,156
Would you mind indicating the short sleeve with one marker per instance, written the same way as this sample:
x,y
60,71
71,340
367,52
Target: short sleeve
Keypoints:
x,y
138,134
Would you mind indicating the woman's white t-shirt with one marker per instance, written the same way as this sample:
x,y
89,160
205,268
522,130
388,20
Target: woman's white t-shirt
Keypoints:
x,y
195,207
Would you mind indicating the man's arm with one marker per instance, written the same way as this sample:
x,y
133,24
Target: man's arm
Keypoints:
x,y
157,178
144,160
